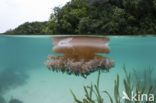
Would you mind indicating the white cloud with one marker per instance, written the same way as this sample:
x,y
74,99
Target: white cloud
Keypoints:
x,y
16,12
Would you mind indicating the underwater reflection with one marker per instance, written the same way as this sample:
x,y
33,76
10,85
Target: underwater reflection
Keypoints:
x,y
80,56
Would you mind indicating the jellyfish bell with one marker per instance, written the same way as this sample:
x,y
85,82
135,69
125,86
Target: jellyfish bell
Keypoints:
x,y
81,44
80,55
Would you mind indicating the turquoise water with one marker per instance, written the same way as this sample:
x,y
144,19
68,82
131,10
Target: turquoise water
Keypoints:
x,y
24,76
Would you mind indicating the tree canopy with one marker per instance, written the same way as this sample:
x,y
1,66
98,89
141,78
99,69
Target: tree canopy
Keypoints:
x,y
107,17
29,28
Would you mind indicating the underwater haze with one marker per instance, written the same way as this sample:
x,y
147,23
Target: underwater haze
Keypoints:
x,y
24,78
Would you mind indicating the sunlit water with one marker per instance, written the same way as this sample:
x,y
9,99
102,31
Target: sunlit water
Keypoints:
x,y
24,76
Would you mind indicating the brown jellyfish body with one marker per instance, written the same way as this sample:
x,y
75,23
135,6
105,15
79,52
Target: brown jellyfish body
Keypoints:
x,y
80,55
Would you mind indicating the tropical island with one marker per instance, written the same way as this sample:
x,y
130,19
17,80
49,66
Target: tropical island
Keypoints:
x,y
100,17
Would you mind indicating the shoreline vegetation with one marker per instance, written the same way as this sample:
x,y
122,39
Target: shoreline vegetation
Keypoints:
x,y
98,17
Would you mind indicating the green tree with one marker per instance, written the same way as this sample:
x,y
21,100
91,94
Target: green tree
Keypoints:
x,y
106,17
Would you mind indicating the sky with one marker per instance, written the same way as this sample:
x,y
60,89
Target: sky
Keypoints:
x,y
16,12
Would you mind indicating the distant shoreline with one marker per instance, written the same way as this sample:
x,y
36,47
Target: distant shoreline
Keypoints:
x,y
49,35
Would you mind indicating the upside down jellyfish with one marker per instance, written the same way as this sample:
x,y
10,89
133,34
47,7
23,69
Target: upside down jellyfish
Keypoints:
x,y
80,56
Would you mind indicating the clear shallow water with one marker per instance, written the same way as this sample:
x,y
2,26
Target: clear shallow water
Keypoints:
x,y
24,76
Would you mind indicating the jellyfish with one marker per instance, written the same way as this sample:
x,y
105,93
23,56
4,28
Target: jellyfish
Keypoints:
x,y
81,55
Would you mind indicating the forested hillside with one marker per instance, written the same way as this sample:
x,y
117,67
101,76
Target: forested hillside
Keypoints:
x,y
108,17
29,28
